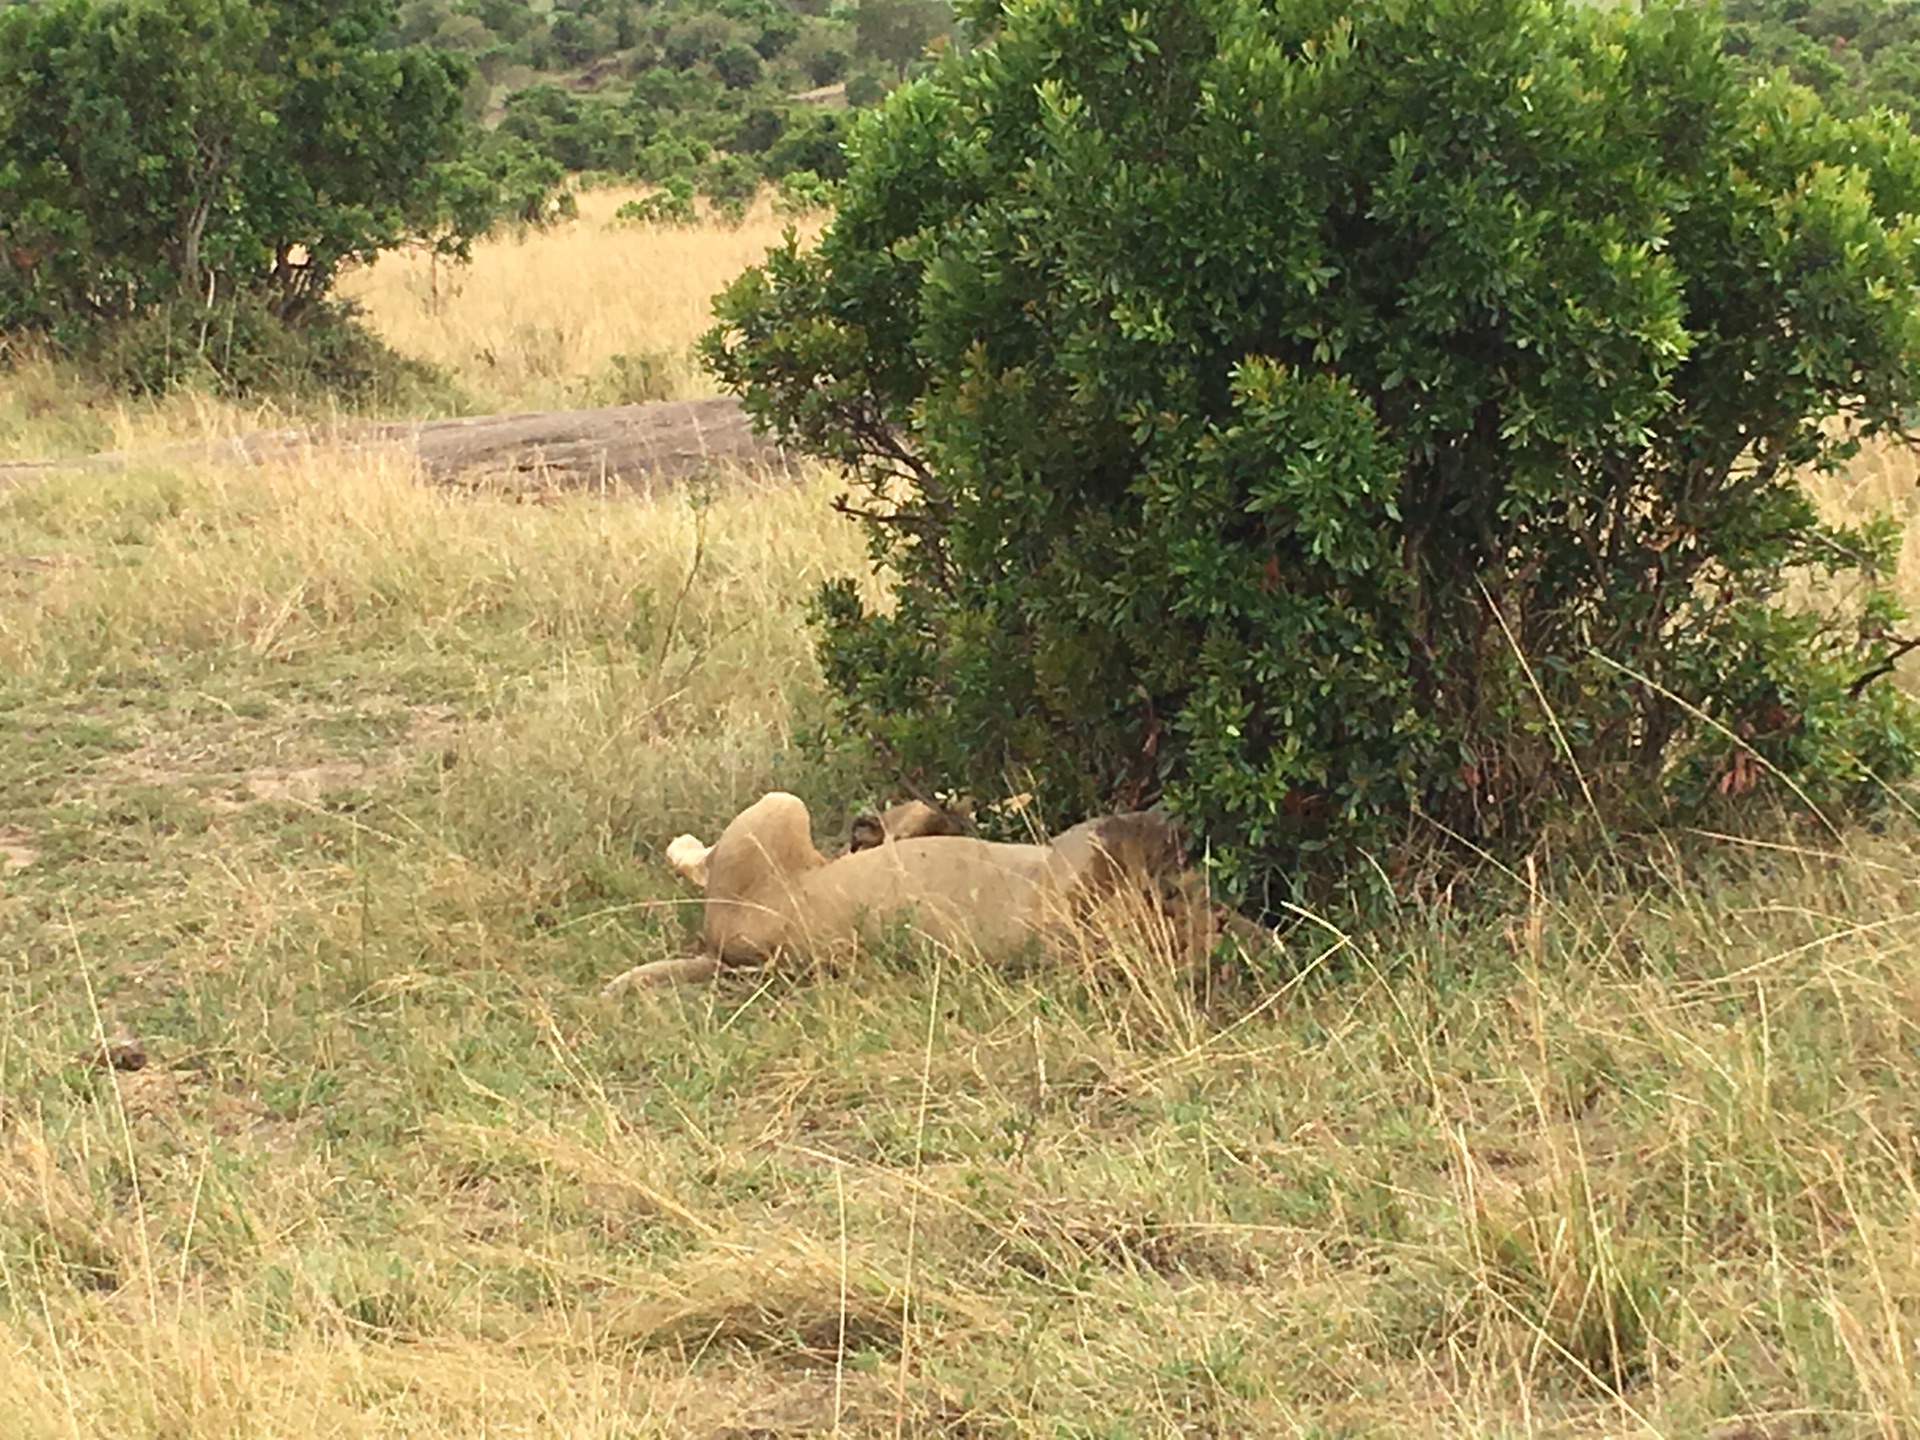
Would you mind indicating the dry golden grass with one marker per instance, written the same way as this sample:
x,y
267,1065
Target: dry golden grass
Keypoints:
x,y
343,794
539,317
1884,479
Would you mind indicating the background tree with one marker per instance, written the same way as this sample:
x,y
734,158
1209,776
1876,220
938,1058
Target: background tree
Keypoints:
x,y
1855,53
1353,423
897,31
578,38
577,131
161,149
697,38
737,65
362,135
631,88
124,132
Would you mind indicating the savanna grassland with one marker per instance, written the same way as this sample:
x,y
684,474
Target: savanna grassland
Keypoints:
x,y
339,796
593,313
597,312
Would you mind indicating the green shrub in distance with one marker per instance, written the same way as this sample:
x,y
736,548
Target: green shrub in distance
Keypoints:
x,y
803,192
730,182
672,155
581,132
811,140
730,177
827,64
1359,425
1855,53
671,204
503,178
738,66
864,90
176,168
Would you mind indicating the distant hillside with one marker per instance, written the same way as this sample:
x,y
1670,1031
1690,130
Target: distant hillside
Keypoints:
x,y
719,96
1856,53
716,96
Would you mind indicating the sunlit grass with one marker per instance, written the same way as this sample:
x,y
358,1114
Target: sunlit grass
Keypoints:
x,y
343,794
540,318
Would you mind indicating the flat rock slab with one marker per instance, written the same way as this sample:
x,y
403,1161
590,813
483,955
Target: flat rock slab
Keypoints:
x,y
633,447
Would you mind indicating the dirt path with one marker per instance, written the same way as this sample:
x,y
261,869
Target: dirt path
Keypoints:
x,y
630,446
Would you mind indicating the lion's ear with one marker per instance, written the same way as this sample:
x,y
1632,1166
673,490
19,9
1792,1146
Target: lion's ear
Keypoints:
x,y
868,831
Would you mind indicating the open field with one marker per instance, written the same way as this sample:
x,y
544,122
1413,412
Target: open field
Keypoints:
x,y
340,795
588,312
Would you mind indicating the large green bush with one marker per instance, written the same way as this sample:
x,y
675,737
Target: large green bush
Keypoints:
x,y
581,133
1354,422
238,346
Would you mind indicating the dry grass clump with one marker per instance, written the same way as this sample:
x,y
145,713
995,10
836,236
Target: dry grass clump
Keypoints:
x,y
589,311
325,553
655,645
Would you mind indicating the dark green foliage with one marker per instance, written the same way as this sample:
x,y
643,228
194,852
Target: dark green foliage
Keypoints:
x,y
503,177
778,30
670,156
897,31
156,148
865,89
730,177
219,151
671,204
632,88
678,95
239,346
1353,423
580,132
758,132
811,142
508,19
802,191
827,63
699,38
737,65
578,38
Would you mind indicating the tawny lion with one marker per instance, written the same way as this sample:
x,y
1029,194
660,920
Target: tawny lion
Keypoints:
x,y
770,893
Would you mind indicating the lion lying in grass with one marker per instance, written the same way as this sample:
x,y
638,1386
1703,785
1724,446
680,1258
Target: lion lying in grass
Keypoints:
x,y
770,894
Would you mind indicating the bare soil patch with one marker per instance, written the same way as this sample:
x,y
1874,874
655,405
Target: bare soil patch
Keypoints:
x,y
633,447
